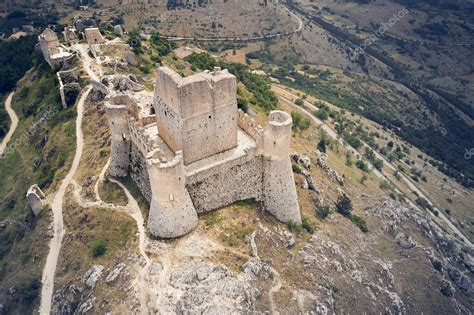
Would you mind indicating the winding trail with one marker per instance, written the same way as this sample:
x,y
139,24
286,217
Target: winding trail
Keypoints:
x,y
14,125
136,214
132,209
57,207
378,173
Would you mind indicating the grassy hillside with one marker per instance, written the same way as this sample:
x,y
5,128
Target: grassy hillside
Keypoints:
x,y
39,152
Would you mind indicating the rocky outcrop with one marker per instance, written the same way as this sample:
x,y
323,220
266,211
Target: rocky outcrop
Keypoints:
x,y
207,286
405,241
115,273
449,256
321,161
92,275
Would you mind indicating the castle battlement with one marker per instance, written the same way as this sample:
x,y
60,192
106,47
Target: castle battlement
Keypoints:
x,y
199,153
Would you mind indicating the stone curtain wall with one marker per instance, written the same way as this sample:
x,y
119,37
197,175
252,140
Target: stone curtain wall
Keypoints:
x,y
227,183
139,172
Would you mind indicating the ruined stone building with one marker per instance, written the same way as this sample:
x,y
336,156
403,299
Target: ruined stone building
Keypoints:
x,y
94,38
190,150
54,53
36,199
70,35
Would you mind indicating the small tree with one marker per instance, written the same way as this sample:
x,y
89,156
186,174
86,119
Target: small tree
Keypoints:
x,y
344,205
98,249
322,146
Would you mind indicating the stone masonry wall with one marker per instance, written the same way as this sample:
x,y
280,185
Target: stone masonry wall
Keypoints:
x,y
198,109
139,172
227,183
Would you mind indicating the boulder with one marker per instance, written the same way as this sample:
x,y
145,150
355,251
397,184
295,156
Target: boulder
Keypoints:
x,y
447,288
302,160
92,275
405,241
115,273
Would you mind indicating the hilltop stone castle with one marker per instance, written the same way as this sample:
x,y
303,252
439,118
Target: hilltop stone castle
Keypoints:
x,y
191,151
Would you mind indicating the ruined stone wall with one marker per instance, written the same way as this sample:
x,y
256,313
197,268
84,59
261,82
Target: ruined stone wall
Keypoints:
x,y
120,134
246,123
194,110
139,171
137,136
116,107
239,179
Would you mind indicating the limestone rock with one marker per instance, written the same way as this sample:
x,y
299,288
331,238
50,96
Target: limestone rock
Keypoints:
x,y
461,280
311,185
356,275
321,161
92,275
302,160
36,199
115,273
118,29
86,306
405,241
303,183
211,288
155,269
447,288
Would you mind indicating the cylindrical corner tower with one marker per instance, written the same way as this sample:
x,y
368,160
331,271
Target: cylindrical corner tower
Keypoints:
x,y
116,109
279,189
172,213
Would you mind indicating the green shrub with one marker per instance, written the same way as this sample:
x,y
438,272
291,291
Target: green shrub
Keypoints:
x,y
295,227
299,102
359,222
308,226
300,122
385,184
322,114
354,142
378,164
323,212
98,248
296,168
362,165
344,205
349,161
322,146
